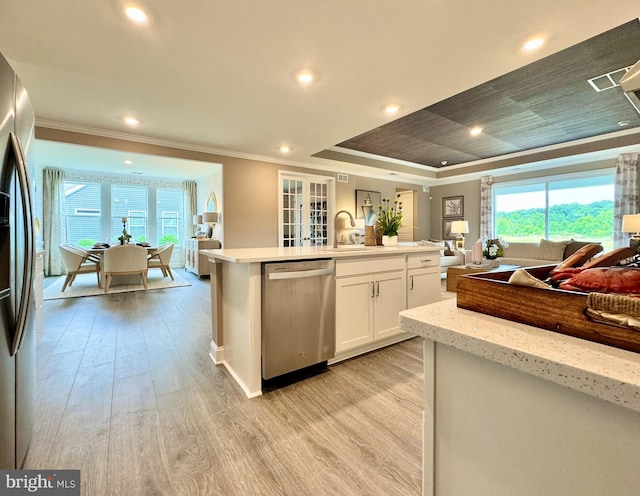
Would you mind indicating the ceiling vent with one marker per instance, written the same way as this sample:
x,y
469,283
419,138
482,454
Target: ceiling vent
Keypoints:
x,y
609,80
343,178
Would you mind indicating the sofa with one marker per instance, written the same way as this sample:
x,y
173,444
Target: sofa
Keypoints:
x,y
448,255
544,252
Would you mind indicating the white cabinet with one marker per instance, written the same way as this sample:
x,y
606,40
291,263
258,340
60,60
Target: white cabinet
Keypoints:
x,y
369,295
194,262
423,280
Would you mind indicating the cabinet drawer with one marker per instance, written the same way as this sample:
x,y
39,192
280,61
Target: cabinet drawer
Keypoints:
x,y
423,260
369,265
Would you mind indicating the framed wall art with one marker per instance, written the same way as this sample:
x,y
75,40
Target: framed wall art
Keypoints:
x,y
453,206
446,228
371,200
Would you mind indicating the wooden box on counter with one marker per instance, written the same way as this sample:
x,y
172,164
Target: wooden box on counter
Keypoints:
x,y
194,262
552,309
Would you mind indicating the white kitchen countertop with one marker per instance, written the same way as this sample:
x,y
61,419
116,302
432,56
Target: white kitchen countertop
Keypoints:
x,y
276,254
598,370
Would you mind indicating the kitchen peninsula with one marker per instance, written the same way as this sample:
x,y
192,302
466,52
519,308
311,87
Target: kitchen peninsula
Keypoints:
x,y
514,409
395,277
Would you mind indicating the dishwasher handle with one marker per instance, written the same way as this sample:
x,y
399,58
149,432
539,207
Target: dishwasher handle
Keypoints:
x,y
300,274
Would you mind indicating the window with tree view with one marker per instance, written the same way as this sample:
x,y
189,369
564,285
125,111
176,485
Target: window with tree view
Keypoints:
x,y
558,208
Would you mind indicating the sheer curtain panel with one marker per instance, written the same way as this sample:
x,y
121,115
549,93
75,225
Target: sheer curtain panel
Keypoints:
x,y
625,194
190,209
486,207
55,220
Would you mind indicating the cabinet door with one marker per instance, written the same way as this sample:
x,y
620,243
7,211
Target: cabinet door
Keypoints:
x,y
390,299
354,299
423,287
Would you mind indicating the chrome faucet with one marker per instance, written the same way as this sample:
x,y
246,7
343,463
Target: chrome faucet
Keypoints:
x,y
335,222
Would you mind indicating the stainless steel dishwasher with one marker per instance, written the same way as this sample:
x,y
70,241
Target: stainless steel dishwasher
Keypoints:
x,y
298,315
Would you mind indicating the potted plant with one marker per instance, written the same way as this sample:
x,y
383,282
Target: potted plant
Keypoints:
x,y
389,220
492,250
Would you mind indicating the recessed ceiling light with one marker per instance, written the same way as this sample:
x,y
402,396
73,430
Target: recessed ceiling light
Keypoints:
x,y
475,131
444,162
391,108
533,44
285,149
624,123
128,162
136,14
132,121
305,76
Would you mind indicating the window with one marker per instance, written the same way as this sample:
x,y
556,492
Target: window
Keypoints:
x,y
83,213
578,206
94,212
170,213
130,202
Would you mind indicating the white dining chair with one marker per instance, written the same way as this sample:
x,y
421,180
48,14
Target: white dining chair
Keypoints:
x,y
76,263
161,258
124,260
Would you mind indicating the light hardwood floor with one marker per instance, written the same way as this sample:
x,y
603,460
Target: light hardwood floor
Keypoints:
x,y
129,395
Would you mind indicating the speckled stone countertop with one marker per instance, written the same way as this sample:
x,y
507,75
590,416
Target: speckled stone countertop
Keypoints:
x,y
602,371
275,254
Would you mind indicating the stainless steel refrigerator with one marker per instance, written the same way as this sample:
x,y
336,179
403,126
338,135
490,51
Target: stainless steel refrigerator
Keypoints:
x,y
17,330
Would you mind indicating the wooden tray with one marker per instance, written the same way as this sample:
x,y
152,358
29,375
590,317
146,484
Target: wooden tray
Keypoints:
x,y
552,309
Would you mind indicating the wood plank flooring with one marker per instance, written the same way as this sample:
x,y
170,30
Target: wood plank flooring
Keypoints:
x,y
127,393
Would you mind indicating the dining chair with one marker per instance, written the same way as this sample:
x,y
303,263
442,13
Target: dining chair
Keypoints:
x,y
124,260
161,258
77,263
90,256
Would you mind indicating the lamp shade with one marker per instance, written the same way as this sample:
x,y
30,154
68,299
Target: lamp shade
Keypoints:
x,y
210,216
459,227
631,223
197,219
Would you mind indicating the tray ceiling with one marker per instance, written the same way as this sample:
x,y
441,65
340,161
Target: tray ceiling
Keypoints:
x,y
543,103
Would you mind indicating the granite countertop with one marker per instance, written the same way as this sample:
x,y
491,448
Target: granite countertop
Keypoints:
x,y
598,370
276,254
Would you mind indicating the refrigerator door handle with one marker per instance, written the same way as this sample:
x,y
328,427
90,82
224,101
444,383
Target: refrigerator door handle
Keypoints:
x,y
27,281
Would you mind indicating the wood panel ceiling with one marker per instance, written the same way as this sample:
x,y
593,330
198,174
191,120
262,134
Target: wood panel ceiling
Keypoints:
x,y
544,103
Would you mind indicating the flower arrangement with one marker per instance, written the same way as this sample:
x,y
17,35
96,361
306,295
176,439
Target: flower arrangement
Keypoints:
x,y
493,248
125,236
390,216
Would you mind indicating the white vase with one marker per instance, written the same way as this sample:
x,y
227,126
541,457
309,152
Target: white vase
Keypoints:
x,y
491,262
389,240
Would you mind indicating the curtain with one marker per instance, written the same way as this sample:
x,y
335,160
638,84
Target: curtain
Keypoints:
x,y
486,207
190,209
625,194
55,221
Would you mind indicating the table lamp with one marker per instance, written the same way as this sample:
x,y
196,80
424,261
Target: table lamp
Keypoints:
x,y
210,218
459,228
631,224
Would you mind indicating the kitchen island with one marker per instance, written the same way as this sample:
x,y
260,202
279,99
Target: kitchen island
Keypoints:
x,y
412,272
512,409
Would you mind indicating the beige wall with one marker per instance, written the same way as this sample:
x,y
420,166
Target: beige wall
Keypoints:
x,y
246,190
470,191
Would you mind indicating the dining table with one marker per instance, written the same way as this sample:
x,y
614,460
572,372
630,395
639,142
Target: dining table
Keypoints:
x,y
97,251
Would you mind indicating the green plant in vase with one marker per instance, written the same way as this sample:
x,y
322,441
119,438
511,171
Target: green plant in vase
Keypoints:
x,y
390,218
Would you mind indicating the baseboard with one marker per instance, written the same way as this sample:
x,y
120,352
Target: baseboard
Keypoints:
x,y
216,353
376,345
